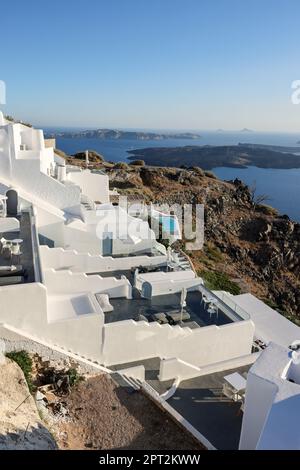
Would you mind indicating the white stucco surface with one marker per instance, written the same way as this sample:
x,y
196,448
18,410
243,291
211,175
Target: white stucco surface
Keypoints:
x,y
95,186
269,324
28,308
272,404
59,258
129,341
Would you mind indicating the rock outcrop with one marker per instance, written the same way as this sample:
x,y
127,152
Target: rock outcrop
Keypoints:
x,y
20,425
256,245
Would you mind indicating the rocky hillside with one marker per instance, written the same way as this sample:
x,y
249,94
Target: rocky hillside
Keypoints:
x,y
20,425
248,247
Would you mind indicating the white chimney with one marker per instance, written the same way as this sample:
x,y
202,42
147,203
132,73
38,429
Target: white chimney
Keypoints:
x,y
61,172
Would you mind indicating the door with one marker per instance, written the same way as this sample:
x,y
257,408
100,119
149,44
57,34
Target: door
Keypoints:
x,y
12,202
107,245
146,290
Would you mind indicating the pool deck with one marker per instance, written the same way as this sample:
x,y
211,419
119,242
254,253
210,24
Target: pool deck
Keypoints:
x,y
201,402
26,258
130,309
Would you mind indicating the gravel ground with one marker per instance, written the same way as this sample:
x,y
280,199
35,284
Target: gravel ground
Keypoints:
x,y
105,416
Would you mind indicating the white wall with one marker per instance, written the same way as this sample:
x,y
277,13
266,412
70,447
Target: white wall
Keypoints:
x,y
174,368
66,282
9,224
50,226
26,174
27,169
58,258
94,185
82,237
4,151
173,286
24,307
259,398
128,341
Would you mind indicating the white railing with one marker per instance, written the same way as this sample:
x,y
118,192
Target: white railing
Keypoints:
x,y
229,306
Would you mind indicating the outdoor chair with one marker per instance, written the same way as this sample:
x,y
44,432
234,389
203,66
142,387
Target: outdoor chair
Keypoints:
x,y
4,243
228,392
6,252
212,310
205,300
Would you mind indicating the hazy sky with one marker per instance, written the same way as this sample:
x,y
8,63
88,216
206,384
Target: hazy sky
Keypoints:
x,y
172,64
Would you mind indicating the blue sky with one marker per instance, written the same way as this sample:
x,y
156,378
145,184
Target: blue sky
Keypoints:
x,y
160,64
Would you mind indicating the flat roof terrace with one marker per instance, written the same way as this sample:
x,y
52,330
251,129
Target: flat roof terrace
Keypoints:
x,y
131,309
201,402
26,257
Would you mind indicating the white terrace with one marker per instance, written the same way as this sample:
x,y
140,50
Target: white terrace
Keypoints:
x,y
122,301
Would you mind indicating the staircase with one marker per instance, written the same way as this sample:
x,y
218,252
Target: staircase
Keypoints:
x,y
181,260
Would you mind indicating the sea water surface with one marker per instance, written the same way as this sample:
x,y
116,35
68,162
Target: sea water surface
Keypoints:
x,y
281,186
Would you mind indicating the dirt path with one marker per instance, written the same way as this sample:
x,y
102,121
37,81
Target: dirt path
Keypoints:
x,y
105,416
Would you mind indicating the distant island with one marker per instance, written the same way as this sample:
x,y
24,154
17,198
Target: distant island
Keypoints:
x,y
209,156
276,148
117,134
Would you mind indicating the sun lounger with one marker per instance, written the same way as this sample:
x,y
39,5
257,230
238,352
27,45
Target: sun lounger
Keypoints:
x,y
160,317
191,324
6,281
141,317
11,270
178,316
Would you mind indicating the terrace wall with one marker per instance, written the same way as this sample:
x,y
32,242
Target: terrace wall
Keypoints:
x,y
58,258
66,282
129,341
24,307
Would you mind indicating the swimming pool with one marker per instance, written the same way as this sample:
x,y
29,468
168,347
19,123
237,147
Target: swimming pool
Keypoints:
x,y
169,224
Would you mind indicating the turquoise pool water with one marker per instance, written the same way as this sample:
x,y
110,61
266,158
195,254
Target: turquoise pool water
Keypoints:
x,y
168,224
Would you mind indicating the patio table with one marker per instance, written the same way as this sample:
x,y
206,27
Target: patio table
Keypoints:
x,y
237,381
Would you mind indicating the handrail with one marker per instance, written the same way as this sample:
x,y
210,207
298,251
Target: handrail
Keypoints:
x,y
183,253
233,311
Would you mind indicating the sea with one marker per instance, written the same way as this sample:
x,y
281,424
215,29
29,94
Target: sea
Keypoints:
x,y
282,187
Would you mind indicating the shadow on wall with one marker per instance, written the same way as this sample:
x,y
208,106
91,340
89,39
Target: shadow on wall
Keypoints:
x,y
37,438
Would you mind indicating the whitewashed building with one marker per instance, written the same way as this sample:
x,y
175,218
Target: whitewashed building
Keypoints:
x,y
80,274
272,406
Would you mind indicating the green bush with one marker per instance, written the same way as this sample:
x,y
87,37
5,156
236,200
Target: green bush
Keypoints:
x,y
216,280
213,253
121,166
198,170
210,174
138,163
268,210
24,361
74,377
